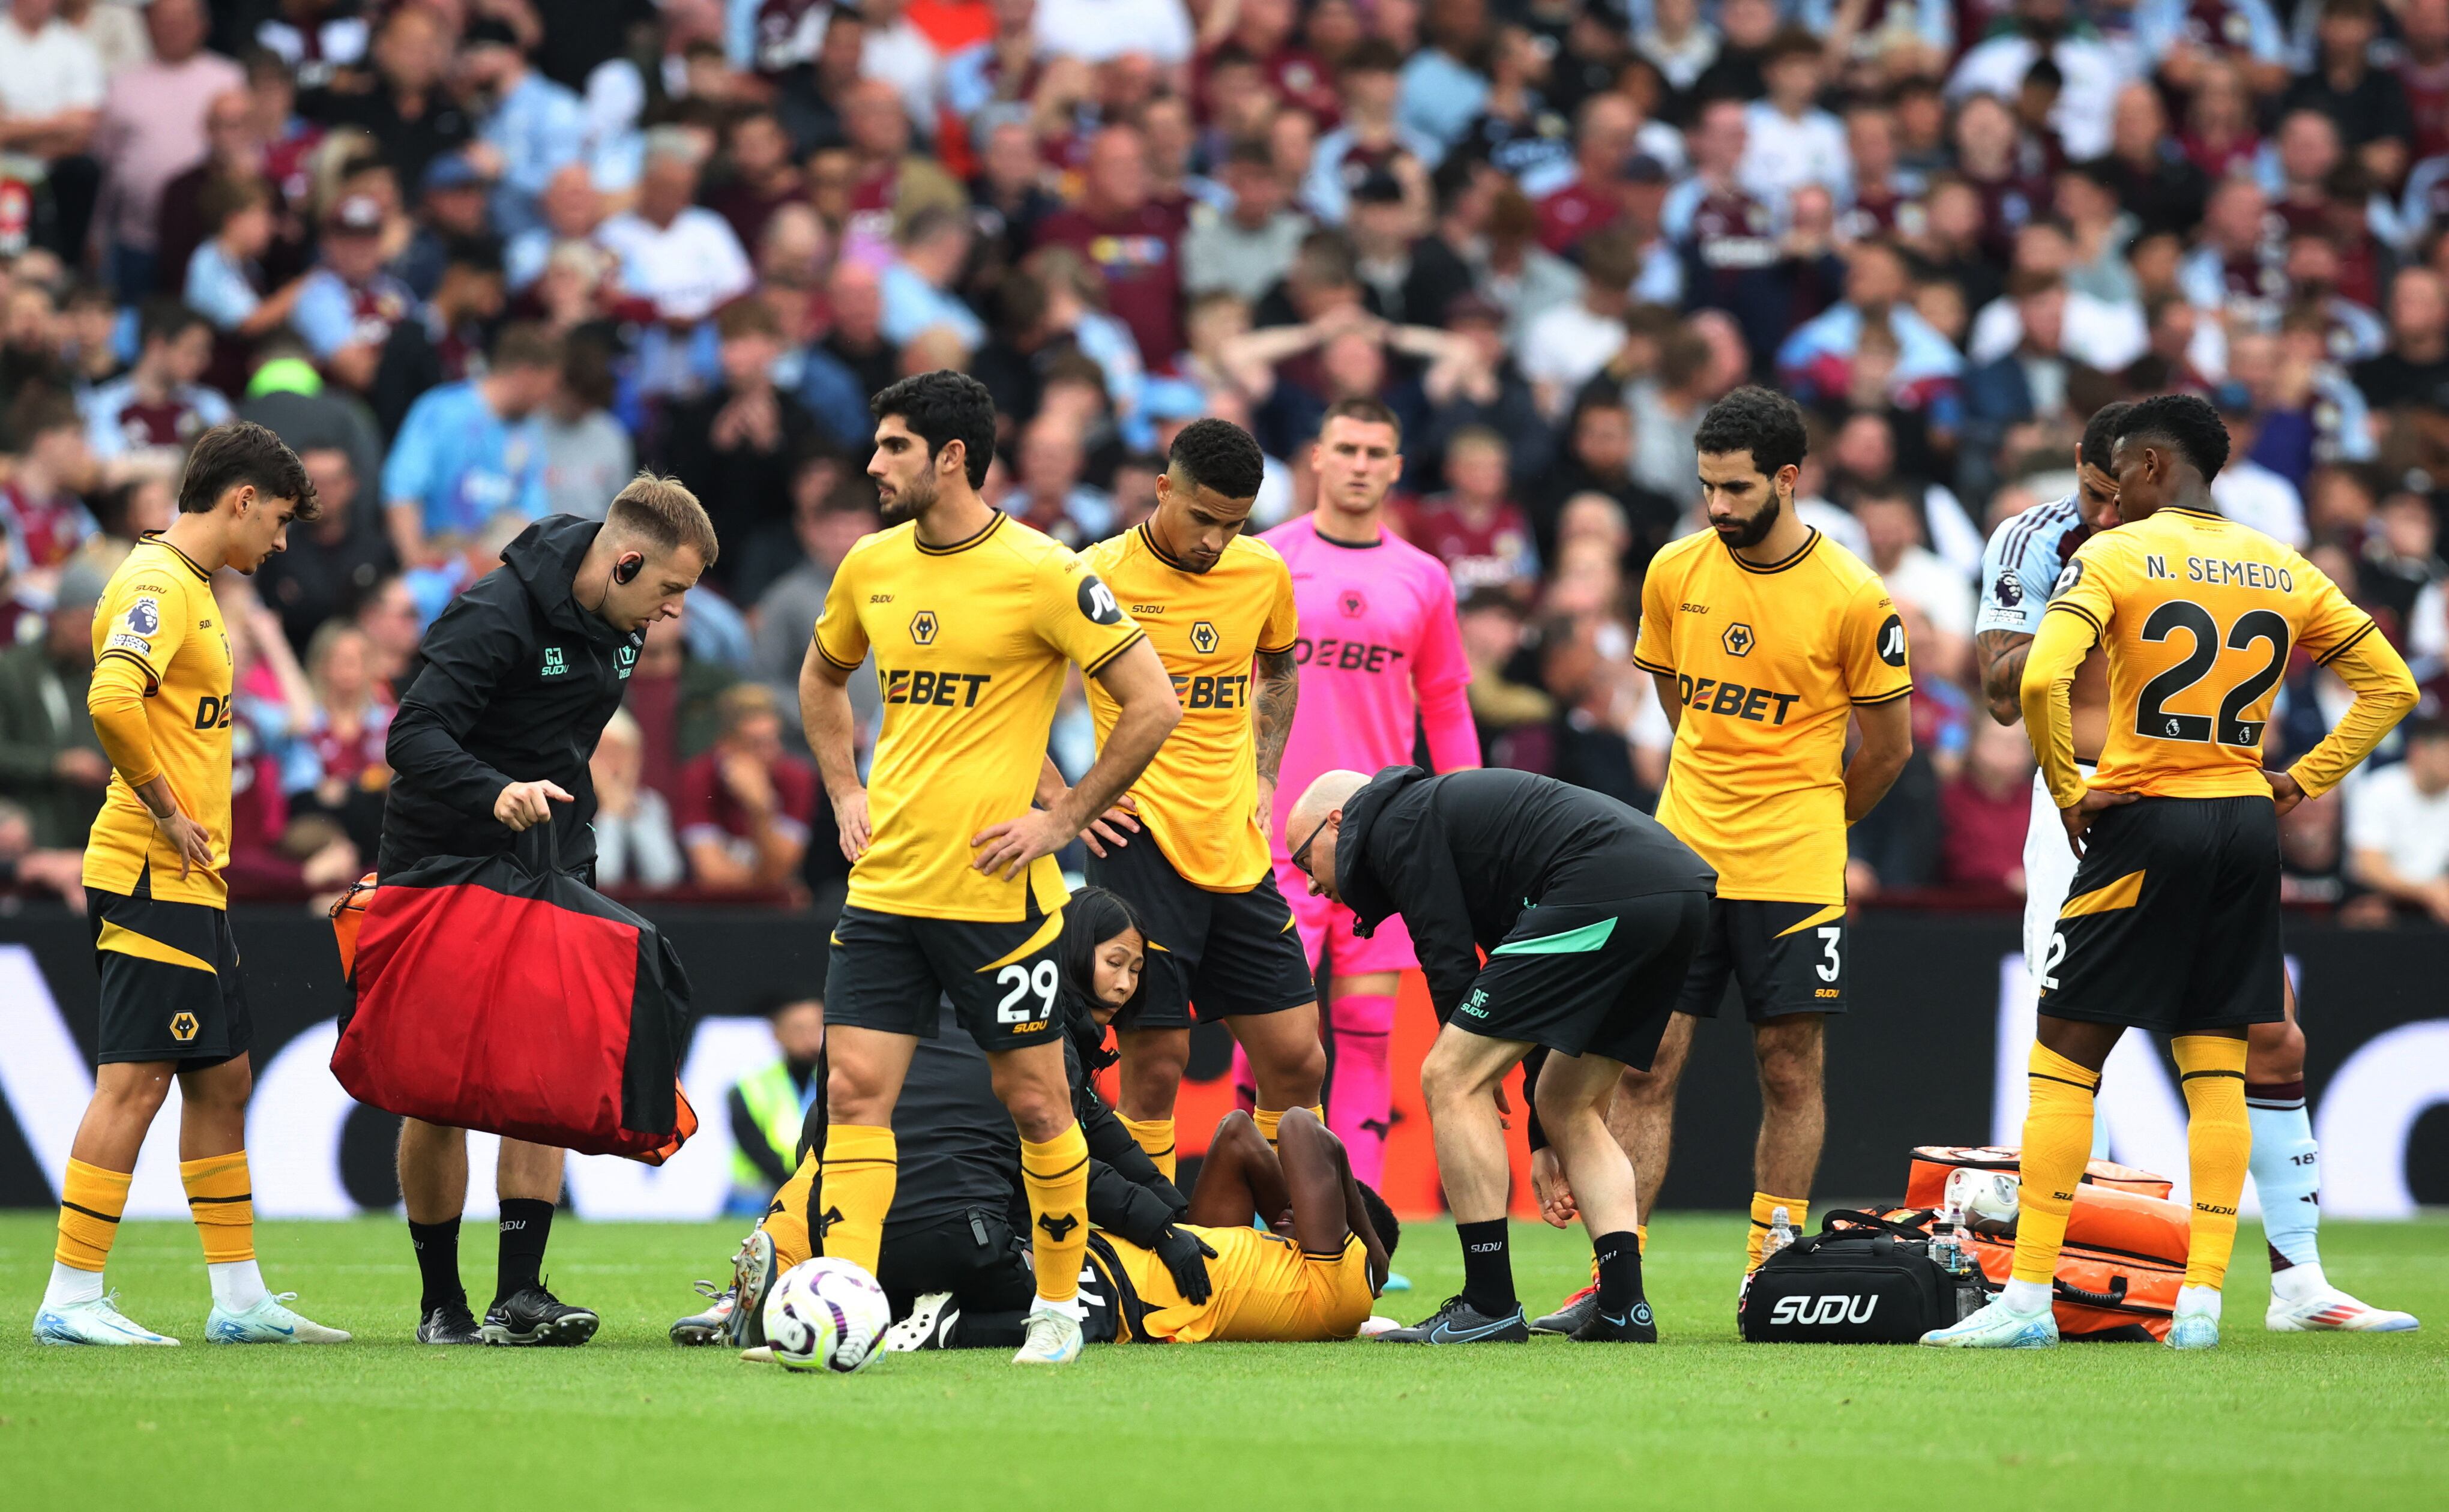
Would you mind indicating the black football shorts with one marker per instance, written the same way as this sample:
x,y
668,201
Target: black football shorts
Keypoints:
x,y
1589,977
2173,922
170,982
1220,954
1782,959
888,971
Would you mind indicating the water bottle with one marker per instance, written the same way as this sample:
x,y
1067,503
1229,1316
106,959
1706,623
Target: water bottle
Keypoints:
x,y
1948,1251
1946,1243
1781,1232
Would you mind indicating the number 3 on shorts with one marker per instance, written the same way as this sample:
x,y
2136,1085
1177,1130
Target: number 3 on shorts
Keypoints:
x,y
1829,968
1026,982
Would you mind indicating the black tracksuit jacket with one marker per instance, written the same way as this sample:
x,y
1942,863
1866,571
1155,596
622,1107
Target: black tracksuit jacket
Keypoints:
x,y
1462,856
513,682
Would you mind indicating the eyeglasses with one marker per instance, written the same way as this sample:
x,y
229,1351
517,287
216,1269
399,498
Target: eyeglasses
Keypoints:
x,y
1301,857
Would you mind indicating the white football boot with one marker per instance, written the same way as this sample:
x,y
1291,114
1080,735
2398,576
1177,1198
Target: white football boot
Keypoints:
x,y
96,1322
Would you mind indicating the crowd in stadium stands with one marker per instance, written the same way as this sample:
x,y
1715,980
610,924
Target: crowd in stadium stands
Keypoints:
x,y
479,259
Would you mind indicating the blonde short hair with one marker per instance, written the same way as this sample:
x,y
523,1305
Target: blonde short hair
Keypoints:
x,y
664,512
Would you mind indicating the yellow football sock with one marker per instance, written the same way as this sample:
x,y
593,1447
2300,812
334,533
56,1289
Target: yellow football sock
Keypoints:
x,y
1798,1215
1057,1175
1267,1119
91,1201
1155,1137
221,1200
861,1167
2057,1143
2219,1140
786,1216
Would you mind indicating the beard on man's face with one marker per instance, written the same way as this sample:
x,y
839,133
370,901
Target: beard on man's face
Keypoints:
x,y
907,502
1752,531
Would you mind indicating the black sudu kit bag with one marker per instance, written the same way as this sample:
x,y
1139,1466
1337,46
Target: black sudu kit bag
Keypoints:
x,y
1860,1280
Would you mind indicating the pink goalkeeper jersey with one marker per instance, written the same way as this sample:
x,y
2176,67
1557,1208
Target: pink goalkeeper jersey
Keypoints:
x,y
1379,648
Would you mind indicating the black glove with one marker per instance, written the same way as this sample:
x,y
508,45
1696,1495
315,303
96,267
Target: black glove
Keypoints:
x,y
1186,1256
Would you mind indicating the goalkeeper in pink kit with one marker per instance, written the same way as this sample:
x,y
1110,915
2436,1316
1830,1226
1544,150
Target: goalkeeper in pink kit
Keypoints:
x,y
1380,657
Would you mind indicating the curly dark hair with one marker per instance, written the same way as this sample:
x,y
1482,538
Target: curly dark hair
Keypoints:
x,y
943,407
2100,433
2185,421
1759,420
1219,455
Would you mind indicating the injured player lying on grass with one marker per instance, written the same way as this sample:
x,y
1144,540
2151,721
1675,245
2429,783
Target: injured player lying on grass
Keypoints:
x,y
1311,1277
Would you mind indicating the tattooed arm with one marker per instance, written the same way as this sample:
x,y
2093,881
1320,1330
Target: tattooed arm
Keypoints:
x,y
1279,689
2001,655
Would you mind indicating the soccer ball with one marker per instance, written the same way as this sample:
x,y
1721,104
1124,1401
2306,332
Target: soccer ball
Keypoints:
x,y
826,1315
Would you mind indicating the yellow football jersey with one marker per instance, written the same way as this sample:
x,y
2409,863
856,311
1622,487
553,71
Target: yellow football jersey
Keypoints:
x,y
970,645
1199,797
158,636
1768,662
2199,614
1263,1289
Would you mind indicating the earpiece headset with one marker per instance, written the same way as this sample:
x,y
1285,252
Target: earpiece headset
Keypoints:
x,y
627,568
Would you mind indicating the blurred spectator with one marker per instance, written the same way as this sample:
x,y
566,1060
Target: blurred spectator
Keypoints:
x,y
402,104
739,443
152,129
51,765
225,280
673,694
678,258
2092,71
343,773
26,868
286,396
530,128
1246,249
2368,104
588,454
333,564
2398,824
1051,497
1128,239
50,98
1817,360
158,408
41,515
393,626
768,1107
828,516
1892,523
348,307
1474,527
745,805
2246,490
1370,140
916,285
1561,349
1789,141
1987,809
1511,712
569,208
470,451
635,845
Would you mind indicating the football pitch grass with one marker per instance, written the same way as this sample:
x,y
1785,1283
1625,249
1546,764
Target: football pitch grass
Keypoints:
x,y
630,1422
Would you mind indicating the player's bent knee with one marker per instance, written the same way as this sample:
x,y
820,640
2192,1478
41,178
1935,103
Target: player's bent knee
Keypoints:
x,y
2274,1052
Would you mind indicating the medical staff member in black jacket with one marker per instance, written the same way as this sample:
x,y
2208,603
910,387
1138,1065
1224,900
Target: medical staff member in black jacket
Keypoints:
x,y
499,713
1589,912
